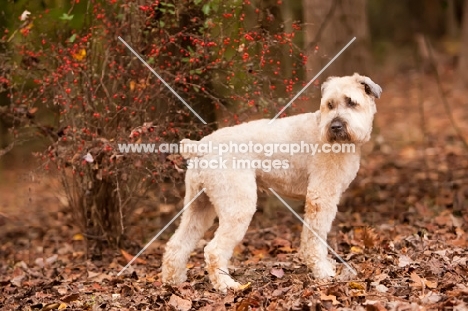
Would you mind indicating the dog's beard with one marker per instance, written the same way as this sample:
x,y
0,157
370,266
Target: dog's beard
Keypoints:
x,y
339,136
332,135
346,135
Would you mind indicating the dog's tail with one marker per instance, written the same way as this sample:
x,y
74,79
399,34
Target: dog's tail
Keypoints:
x,y
189,149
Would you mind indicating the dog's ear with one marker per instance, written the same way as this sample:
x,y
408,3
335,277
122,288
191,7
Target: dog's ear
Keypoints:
x,y
370,87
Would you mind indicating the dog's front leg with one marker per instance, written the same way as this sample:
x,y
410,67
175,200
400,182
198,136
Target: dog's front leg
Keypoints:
x,y
320,210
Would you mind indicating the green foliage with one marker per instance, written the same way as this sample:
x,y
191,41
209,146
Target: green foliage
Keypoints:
x,y
97,94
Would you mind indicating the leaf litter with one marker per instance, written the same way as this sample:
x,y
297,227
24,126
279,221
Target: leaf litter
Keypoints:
x,y
402,226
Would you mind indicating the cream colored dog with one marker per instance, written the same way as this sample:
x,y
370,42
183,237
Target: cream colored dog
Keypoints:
x,y
346,113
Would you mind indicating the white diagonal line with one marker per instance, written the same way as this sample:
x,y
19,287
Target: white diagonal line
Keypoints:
x,y
313,79
160,78
159,233
311,230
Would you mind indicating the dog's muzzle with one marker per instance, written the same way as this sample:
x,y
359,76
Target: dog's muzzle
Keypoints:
x,y
336,126
337,131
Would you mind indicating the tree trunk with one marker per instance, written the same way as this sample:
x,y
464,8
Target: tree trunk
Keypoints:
x,y
330,25
463,62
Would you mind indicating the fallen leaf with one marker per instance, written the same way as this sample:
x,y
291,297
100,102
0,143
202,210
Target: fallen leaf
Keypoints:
x,y
357,285
179,303
381,288
373,305
50,306
245,286
98,276
51,259
244,305
369,237
70,298
418,281
286,249
431,297
260,253
356,250
279,273
430,284
279,242
331,298
129,257
403,261
18,280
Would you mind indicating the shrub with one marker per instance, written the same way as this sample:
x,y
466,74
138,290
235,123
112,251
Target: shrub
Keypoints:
x,y
78,85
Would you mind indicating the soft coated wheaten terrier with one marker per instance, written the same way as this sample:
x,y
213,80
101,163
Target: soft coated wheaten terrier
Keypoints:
x,y
346,113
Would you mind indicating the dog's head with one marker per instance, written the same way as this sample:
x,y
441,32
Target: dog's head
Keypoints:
x,y
347,108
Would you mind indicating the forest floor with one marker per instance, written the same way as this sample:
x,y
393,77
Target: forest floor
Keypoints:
x,y
402,226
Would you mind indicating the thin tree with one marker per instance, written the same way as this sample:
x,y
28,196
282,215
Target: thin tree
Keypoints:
x,y
330,25
463,62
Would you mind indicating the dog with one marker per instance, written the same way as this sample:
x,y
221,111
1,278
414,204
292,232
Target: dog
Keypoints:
x,y
345,116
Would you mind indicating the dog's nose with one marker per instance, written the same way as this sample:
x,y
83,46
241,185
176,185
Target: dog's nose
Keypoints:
x,y
336,126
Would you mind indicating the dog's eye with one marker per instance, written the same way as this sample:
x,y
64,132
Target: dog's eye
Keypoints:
x,y
330,105
350,102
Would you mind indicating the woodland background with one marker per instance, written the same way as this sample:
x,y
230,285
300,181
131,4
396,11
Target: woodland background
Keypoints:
x,y
73,210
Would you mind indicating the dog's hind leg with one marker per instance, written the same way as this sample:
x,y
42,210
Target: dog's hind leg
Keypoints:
x,y
235,202
198,217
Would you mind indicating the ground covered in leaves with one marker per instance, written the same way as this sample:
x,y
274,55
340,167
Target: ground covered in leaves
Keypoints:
x,y
402,227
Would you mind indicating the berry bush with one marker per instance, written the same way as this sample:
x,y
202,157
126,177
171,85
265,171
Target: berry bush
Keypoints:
x,y
72,82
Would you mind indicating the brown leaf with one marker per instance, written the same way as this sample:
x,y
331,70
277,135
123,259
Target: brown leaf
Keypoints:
x,y
18,280
331,298
278,272
357,285
273,306
279,242
430,284
418,281
243,305
381,288
129,257
374,306
126,291
70,298
286,249
403,261
369,237
260,253
78,237
179,303
214,307
248,302
98,276
356,250
51,306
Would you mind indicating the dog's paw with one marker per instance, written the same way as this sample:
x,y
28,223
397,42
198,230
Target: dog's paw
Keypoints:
x,y
224,282
323,269
173,277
